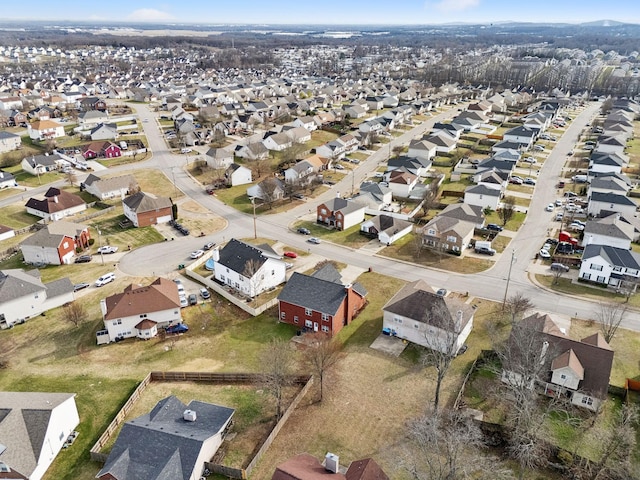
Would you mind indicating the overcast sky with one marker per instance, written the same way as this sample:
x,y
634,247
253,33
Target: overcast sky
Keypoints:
x,y
326,11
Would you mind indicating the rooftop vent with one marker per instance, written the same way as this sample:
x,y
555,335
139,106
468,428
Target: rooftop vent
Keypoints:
x,y
189,416
331,462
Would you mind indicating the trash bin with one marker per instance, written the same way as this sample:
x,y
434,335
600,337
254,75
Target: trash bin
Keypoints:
x,y
181,266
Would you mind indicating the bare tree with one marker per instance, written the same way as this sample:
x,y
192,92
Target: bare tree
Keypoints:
x,y
557,275
508,209
610,315
269,189
628,286
277,367
517,304
72,178
251,272
292,153
445,445
429,198
397,150
322,355
618,442
442,344
75,313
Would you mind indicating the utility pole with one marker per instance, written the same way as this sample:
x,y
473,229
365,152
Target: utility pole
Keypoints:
x,y
255,228
100,246
506,288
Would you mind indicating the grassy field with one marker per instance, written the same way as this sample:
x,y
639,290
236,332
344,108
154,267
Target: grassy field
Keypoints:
x,y
350,237
320,137
16,216
585,290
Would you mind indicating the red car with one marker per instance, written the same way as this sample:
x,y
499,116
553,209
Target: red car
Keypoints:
x,y
290,254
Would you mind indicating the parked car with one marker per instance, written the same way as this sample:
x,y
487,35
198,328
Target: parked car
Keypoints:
x,y
197,254
83,259
290,254
106,278
314,240
80,286
193,299
529,181
494,227
564,248
485,250
107,249
304,231
544,254
539,148
337,166
550,207
378,175
183,301
209,246
177,328
204,293
576,226
530,160
559,216
516,180
299,196
442,292
559,267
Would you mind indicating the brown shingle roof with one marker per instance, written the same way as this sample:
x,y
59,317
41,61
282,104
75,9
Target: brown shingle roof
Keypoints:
x,y
55,200
162,294
568,359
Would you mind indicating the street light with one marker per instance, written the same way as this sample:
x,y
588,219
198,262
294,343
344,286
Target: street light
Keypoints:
x,y
100,246
506,288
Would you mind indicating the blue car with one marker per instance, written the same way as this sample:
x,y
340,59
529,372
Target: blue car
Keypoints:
x,y
177,328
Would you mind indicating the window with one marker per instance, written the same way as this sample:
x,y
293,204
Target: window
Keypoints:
x,y
222,279
431,231
596,267
308,323
586,276
283,315
617,269
307,312
416,326
144,315
295,319
117,322
323,211
451,239
325,317
587,400
397,320
563,377
65,245
227,270
601,279
325,329
61,436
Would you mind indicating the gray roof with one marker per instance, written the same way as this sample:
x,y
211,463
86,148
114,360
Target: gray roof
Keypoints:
x,y
24,419
18,283
483,190
417,301
610,197
610,226
52,235
618,257
143,202
236,255
464,211
387,223
4,135
611,183
315,293
161,445
59,287
329,273
105,185
338,204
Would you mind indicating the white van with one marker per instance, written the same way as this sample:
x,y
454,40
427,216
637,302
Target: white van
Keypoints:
x,y
185,150
123,145
106,278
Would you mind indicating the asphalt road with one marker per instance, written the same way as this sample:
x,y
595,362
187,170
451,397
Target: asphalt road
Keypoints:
x,y
161,259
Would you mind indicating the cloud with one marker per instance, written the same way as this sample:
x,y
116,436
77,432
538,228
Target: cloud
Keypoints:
x,y
455,5
149,15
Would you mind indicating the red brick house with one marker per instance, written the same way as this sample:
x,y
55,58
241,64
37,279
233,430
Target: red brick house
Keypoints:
x,y
144,209
56,244
320,302
101,150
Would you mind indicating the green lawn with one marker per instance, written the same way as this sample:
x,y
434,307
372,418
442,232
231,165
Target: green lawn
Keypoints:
x,y
513,224
350,237
16,216
565,285
28,180
320,137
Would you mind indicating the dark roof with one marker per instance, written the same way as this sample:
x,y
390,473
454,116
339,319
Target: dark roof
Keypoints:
x,y
141,202
236,254
329,273
314,293
611,198
483,190
419,302
307,467
618,257
161,445
366,469
55,200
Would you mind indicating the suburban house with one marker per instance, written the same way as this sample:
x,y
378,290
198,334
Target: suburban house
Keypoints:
x,y
7,180
483,196
92,117
23,295
385,228
268,190
55,204
307,467
577,370
39,164
417,314
612,230
447,234
320,302
444,142
608,183
607,163
605,203
144,209
277,142
340,213
521,135
55,244
421,149
219,157
374,196
9,141
34,427
252,151
301,173
114,187
172,441
6,232
609,265
45,130
103,149
418,166
237,175
401,182
104,131
139,311
250,270
466,212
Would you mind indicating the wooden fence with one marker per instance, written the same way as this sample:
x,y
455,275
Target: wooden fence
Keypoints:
x,y
204,377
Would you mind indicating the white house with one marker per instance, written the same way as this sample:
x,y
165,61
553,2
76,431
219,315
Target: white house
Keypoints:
x,y
114,187
9,141
417,314
269,189
55,204
140,310
219,157
23,295
277,142
34,427
422,149
611,230
45,130
248,269
600,203
402,182
609,265
237,175
482,196
385,228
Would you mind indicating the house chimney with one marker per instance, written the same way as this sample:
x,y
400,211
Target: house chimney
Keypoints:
x,y
55,198
189,416
216,254
332,463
